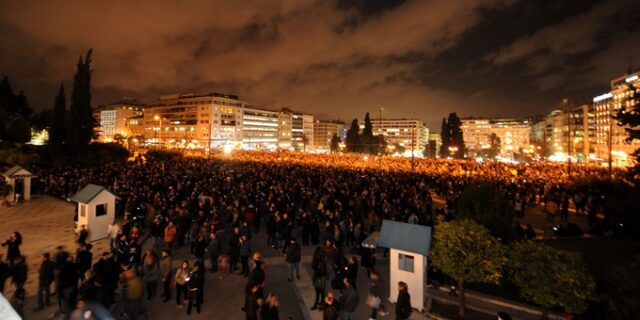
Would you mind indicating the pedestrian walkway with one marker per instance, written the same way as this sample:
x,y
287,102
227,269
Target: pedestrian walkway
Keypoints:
x,y
45,222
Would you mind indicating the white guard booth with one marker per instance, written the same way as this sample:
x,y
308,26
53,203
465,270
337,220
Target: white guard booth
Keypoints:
x,y
19,181
96,210
408,246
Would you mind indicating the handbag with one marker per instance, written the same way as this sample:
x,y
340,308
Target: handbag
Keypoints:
x,y
373,301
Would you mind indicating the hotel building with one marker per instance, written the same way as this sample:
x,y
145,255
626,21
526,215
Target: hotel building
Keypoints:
x,y
323,132
120,118
407,133
609,138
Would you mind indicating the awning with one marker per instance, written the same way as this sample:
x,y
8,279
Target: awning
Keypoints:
x,y
371,241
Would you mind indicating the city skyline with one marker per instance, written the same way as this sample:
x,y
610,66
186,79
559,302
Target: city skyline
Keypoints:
x,y
334,59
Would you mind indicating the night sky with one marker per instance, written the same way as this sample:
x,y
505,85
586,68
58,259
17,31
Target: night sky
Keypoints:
x,y
335,59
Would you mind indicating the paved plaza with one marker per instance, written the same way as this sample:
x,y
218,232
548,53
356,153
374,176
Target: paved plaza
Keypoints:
x,y
46,222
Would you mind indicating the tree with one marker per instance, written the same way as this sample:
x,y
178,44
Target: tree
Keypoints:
x,y
486,204
430,150
456,139
305,140
368,142
550,277
465,251
22,106
353,137
19,130
630,118
399,149
82,123
335,143
445,137
58,132
494,146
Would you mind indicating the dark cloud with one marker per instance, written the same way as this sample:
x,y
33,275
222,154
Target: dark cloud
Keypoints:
x,y
331,58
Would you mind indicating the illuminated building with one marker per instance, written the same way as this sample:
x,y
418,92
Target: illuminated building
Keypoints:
x,y
513,135
295,130
407,133
476,133
323,132
259,129
120,118
195,121
609,142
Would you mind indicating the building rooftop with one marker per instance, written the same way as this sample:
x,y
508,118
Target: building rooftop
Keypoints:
x,y
88,193
405,236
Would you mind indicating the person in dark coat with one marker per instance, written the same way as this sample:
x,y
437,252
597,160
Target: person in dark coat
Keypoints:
x,y
19,272
352,270
349,300
294,252
256,279
195,286
13,246
319,267
67,286
84,257
245,252
214,251
252,304
45,278
330,309
200,247
403,303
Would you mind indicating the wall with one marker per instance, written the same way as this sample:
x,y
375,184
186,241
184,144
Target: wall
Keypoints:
x,y
415,280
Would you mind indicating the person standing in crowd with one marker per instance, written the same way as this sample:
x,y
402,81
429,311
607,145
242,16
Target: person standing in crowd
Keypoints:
x,y
83,235
19,272
269,310
157,234
252,304
234,249
319,267
13,246
106,272
113,230
45,278
84,257
165,268
352,270
245,252
181,277
4,274
169,235
349,300
329,309
377,292
195,286
67,286
133,293
200,247
213,247
150,273
403,303
293,258
223,264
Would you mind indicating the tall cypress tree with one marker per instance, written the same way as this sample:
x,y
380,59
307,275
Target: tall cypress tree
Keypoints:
x,y
445,136
353,137
368,142
629,117
456,138
81,116
22,106
58,132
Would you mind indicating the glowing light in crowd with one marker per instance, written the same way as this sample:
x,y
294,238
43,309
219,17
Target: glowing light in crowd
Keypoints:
x,y
227,149
632,78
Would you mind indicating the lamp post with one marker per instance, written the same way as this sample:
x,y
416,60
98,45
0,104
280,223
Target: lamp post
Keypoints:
x,y
159,119
381,150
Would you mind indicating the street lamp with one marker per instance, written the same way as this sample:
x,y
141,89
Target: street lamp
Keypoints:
x,y
453,150
159,119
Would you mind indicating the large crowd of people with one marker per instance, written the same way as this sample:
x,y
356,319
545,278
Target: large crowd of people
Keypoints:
x,y
215,205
